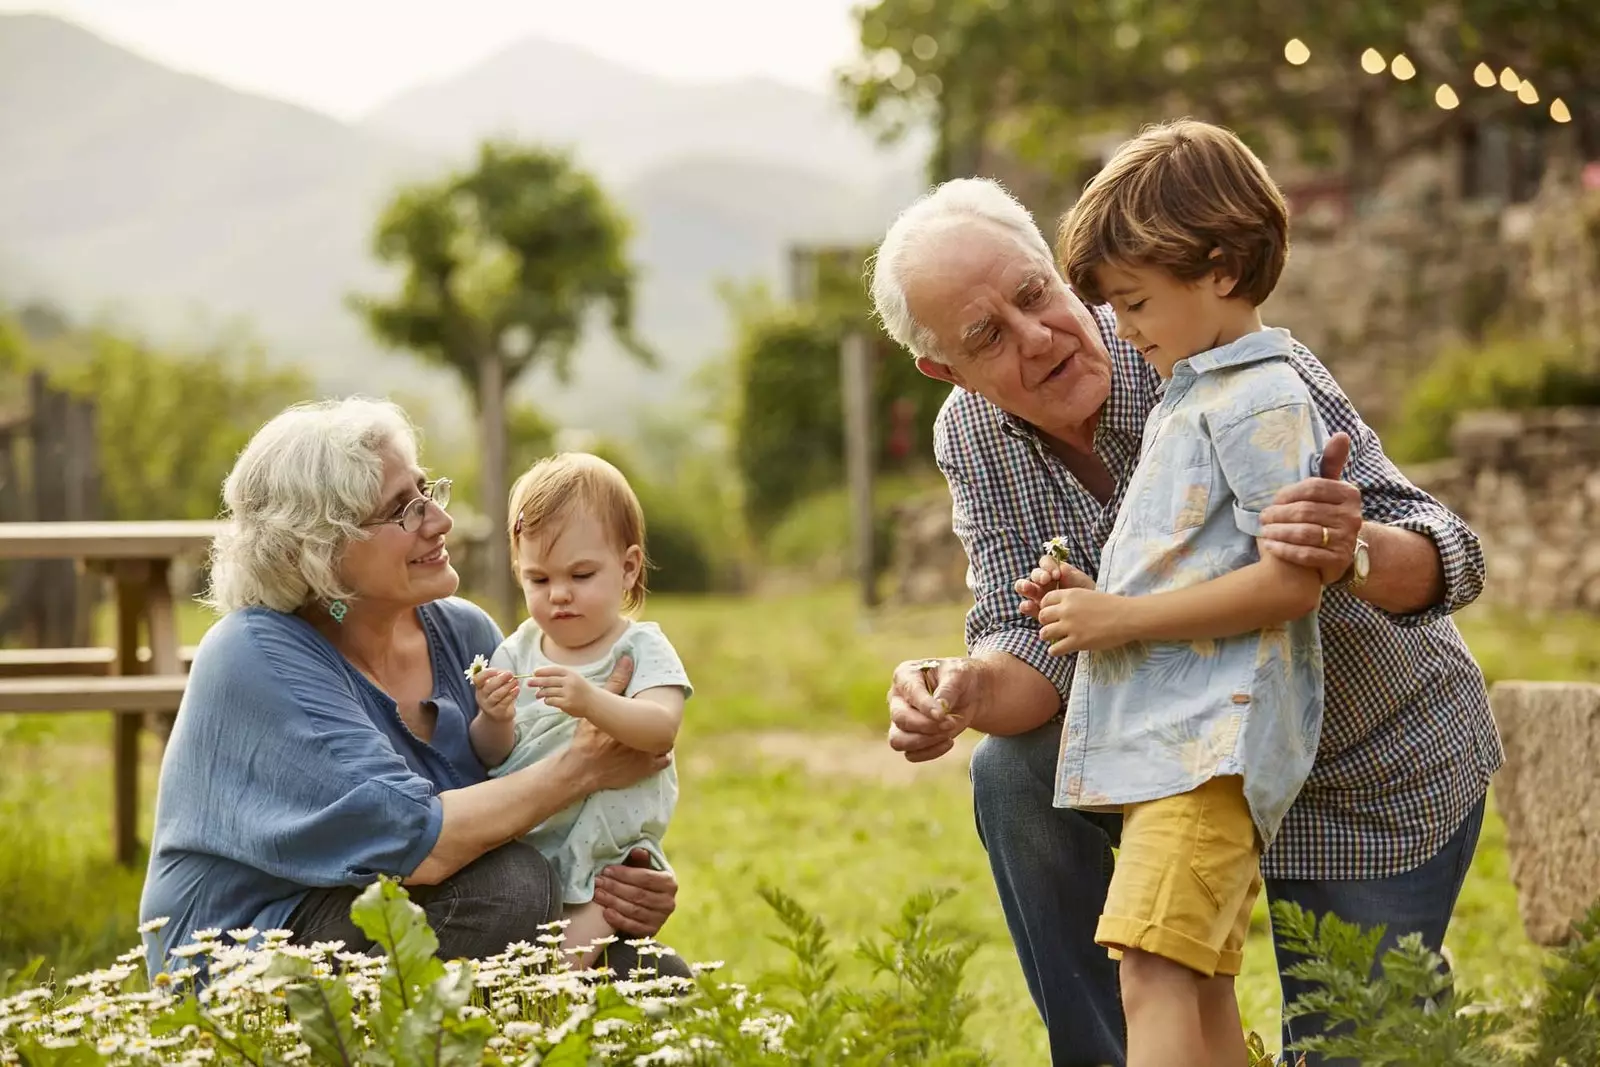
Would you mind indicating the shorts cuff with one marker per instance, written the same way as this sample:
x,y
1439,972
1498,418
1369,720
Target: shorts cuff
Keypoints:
x,y
1116,932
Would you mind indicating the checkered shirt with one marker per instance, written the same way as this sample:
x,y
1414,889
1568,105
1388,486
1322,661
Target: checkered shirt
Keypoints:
x,y
1408,744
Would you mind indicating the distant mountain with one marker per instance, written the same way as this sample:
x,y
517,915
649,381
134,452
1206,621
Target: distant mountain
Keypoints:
x,y
621,122
179,203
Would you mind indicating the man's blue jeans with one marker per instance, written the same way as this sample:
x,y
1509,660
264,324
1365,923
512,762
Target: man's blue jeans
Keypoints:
x,y
1052,867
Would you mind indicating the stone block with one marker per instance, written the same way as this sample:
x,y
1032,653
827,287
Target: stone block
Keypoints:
x,y
1549,796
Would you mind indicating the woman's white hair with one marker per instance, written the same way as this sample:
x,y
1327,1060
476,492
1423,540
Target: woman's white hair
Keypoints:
x,y
295,499
897,257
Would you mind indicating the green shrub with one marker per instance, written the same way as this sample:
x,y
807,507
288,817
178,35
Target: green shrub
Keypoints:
x,y
1413,1013
1510,372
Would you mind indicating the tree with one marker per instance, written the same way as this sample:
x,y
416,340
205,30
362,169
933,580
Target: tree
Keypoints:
x,y
503,265
1039,80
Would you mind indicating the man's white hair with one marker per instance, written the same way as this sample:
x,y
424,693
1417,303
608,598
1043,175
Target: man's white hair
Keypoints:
x,y
295,499
897,258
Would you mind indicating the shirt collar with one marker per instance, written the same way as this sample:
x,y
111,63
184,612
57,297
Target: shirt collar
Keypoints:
x,y
1254,347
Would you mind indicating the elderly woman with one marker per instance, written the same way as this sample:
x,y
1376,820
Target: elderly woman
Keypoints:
x,y
322,740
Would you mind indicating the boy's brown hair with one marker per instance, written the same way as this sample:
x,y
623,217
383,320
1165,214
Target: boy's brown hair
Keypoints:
x,y
1186,197
569,483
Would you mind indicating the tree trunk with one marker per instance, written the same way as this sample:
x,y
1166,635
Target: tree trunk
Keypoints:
x,y
494,570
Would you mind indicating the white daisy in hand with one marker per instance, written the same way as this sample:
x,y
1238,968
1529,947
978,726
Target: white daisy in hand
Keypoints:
x,y
476,667
1058,548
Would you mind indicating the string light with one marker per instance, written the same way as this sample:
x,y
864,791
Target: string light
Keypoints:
x,y
1298,53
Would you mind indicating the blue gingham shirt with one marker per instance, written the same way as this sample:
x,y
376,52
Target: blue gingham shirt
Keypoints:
x,y
1153,719
1408,744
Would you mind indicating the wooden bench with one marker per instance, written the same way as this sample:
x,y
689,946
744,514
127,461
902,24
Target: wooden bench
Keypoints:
x,y
124,695
50,681
71,662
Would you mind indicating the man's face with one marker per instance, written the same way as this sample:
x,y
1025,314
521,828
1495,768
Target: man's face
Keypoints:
x,y
1011,330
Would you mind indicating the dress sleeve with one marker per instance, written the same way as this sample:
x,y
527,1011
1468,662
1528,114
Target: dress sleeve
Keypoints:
x,y
655,661
286,769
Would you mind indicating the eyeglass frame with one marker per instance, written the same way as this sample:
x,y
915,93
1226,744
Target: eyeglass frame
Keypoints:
x,y
434,492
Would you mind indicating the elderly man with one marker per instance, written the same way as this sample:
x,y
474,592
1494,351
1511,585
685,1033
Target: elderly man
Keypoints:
x,y
1037,441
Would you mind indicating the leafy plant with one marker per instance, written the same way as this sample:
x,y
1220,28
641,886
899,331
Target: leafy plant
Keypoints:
x,y
278,1004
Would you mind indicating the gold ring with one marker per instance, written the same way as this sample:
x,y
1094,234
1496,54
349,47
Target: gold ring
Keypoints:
x,y
1324,537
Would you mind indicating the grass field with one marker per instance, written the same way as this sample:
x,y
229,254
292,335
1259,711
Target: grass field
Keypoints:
x,y
785,781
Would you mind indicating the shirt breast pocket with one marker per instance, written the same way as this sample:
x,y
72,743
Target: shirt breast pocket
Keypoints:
x,y
1177,493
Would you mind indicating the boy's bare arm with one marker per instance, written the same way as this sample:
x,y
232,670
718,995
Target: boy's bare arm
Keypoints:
x,y
1262,594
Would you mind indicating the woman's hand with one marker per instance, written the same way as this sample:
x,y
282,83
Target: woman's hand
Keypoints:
x,y
636,897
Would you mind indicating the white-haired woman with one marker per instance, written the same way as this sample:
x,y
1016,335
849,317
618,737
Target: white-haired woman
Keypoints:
x,y
322,740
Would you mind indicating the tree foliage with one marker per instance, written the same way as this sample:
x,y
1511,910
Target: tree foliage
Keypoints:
x,y
169,425
788,418
1039,79
504,261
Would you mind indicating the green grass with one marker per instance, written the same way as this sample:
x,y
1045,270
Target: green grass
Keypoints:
x,y
784,781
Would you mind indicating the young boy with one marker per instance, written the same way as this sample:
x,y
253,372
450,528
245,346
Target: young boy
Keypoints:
x,y
1196,705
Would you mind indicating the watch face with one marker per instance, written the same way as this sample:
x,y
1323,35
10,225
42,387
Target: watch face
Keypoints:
x,y
1362,562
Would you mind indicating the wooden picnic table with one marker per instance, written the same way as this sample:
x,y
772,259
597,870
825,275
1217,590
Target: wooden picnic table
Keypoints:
x,y
138,557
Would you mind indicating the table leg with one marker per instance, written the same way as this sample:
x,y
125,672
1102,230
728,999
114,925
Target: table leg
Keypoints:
x,y
161,622
132,581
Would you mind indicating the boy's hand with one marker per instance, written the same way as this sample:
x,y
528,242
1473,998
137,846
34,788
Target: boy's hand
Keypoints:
x,y
497,694
564,689
1082,620
1051,574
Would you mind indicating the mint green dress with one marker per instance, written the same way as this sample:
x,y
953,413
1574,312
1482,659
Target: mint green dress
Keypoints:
x,y
603,828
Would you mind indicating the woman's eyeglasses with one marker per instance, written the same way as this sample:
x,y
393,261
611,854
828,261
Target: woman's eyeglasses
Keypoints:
x,y
409,518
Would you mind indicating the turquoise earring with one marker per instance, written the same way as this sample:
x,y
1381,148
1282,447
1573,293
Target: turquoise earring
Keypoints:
x,y
338,609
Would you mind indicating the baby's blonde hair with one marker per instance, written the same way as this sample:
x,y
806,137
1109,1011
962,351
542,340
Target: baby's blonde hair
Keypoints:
x,y
558,486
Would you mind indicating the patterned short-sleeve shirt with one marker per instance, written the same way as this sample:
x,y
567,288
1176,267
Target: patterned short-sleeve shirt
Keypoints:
x,y
1155,719
1408,744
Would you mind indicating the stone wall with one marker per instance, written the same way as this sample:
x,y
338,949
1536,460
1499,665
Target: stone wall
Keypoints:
x,y
1529,484
1549,797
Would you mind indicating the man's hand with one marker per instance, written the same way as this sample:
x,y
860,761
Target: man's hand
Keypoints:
x,y
1314,523
636,897
1051,574
565,689
930,702
497,694
1082,620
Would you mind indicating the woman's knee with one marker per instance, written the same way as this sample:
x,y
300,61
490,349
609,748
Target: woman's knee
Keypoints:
x,y
516,882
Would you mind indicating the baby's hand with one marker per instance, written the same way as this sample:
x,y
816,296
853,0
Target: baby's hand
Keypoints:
x,y
497,694
564,689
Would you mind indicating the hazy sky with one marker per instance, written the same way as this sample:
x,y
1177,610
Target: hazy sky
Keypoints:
x,y
344,56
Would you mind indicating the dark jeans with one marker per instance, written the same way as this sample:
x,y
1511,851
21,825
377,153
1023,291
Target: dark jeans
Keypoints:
x,y
502,896
1053,866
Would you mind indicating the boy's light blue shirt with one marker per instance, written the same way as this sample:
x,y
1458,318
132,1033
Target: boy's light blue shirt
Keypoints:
x,y
1155,719
288,769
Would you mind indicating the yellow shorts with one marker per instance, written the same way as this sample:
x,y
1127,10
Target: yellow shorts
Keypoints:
x,y
1186,878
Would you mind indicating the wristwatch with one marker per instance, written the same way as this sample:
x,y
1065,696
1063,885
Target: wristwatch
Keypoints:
x,y
1360,567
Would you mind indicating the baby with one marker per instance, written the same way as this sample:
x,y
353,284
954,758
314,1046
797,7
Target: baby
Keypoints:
x,y
577,543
